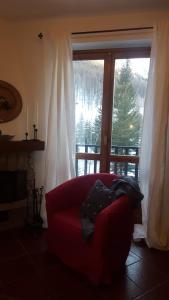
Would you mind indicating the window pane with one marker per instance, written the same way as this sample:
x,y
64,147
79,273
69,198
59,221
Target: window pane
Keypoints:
x,y
128,104
84,166
88,79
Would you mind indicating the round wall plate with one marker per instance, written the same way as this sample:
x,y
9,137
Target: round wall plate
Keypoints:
x,y
10,102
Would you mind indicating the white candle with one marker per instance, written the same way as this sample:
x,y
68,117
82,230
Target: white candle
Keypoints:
x,y
36,114
27,118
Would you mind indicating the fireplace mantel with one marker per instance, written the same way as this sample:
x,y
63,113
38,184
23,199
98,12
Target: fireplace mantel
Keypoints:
x,y
21,146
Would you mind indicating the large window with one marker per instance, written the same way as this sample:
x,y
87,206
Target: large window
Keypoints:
x,y
110,88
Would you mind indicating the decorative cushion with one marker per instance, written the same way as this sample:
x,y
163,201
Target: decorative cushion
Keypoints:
x,y
99,197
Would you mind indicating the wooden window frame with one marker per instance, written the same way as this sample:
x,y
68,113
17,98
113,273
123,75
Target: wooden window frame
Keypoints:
x,y
109,56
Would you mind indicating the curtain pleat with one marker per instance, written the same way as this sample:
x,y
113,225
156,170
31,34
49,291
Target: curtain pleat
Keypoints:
x,y
154,156
60,113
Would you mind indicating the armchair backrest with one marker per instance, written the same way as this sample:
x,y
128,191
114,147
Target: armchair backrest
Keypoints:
x,y
84,183
74,191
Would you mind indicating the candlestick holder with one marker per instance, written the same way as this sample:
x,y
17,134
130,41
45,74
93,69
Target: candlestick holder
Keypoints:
x,y
26,136
35,132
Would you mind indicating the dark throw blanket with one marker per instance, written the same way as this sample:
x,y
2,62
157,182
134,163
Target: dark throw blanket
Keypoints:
x,y
101,196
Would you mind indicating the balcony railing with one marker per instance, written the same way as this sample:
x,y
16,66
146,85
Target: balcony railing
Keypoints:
x,y
87,166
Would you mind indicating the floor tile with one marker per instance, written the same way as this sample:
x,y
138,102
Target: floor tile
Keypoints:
x,y
145,274
121,289
34,243
132,258
160,259
25,289
159,293
56,276
140,249
17,269
27,271
11,249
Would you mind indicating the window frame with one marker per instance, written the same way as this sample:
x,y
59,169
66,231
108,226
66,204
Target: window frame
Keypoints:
x,y
109,55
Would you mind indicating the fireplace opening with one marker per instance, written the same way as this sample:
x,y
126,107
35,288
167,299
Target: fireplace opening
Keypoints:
x,y
13,186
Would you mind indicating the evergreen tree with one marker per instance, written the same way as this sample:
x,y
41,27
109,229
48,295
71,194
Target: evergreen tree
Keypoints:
x,y
84,132
96,129
80,130
126,116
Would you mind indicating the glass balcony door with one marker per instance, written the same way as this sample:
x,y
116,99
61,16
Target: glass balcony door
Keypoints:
x,y
89,80
130,81
110,90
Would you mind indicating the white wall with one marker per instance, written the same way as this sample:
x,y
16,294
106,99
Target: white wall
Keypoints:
x,y
22,63
10,71
21,56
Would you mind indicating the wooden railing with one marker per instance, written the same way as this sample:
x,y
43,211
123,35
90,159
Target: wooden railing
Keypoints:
x,y
123,160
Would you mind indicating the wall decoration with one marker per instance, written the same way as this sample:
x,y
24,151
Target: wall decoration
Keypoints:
x,y
10,102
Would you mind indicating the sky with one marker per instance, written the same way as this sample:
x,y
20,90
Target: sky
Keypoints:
x,y
138,65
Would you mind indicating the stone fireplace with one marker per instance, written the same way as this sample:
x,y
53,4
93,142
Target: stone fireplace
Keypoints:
x,y
13,186
17,179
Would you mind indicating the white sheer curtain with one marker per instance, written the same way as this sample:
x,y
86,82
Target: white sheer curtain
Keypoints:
x,y
60,110
154,158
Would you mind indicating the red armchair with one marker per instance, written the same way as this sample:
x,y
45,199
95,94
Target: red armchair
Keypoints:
x,y
108,249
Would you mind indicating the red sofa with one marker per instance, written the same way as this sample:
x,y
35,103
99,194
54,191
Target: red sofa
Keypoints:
x,y
108,250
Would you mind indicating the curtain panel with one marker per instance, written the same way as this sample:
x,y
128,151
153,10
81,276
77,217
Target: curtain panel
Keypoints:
x,y
60,110
154,157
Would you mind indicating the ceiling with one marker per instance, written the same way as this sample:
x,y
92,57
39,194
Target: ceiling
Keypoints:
x,y
51,8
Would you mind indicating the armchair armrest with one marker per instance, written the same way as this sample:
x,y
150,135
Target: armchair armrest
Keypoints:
x,y
111,241
67,195
114,226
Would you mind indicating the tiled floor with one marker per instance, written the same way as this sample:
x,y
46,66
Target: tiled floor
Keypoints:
x,y
28,272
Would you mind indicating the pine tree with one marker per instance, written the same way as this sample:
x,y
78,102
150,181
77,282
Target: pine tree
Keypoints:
x,y
126,115
84,132
96,129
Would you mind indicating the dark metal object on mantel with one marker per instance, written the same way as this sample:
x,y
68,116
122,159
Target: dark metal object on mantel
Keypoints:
x,y
35,132
26,136
37,194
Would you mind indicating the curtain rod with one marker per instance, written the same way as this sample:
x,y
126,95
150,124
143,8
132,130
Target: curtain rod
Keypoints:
x,y
112,30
